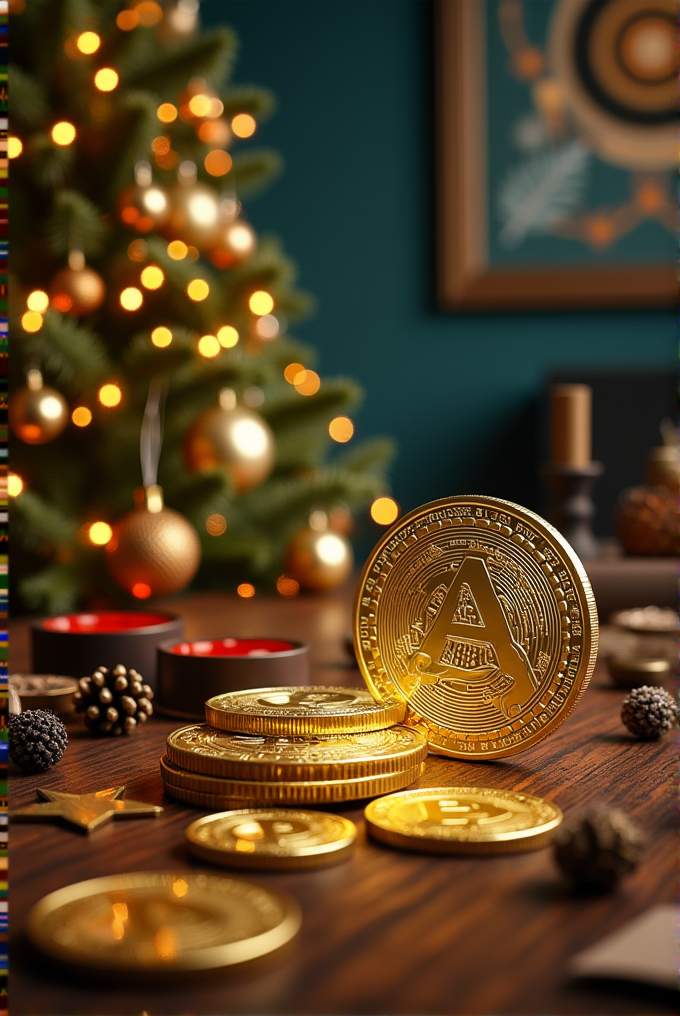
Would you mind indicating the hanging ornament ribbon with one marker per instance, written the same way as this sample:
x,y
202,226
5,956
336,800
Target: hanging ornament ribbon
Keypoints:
x,y
151,436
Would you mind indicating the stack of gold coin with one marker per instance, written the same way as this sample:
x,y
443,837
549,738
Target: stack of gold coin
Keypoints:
x,y
292,746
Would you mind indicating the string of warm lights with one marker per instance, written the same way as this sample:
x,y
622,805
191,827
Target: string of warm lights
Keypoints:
x,y
148,208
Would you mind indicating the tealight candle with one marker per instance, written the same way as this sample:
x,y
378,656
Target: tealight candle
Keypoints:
x,y
76,644
189,673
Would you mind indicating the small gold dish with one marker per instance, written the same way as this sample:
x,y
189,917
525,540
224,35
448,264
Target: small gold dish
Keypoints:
x,y
631,671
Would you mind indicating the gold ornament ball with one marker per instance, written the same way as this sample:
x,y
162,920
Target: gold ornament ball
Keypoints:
x,y
238,440
318,559
144,208
195,215
77,291
153,553
237,243
37,415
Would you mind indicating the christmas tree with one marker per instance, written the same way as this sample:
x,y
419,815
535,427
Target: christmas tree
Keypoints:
x,y
142,300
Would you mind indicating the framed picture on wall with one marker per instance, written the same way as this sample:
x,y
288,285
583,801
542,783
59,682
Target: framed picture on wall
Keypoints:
x,y
556,153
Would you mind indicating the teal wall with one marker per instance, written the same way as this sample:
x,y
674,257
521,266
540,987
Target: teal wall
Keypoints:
x,y
355,209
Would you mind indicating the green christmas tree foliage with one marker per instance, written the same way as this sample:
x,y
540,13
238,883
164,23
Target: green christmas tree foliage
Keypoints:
x,y
67,198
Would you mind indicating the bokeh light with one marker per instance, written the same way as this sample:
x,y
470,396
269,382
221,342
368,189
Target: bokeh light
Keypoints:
x,y
307,382
99,533
63,133
198,290
141,590
243,125
127,20
209,346
31,321
131,298
15,485
246,590
287,586
81,416
217,162
267,327
227,336
331,548
110,395
166,112
161,336
292,371
38,300
177,250
137,250
200,105
215,525
152,277
161,145
149,12
341,429
106,79
88,42
261,302
14,147
384,511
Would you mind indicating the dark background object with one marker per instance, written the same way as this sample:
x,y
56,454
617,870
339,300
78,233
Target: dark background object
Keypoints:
x,y
628,406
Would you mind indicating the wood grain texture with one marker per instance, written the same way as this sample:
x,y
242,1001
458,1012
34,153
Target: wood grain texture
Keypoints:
x,y
385,932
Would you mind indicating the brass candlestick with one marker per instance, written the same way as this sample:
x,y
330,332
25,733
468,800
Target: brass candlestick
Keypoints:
x,y
572,509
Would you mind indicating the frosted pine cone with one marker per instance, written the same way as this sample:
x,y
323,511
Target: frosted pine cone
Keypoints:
x,y
648,712
37,739
114,701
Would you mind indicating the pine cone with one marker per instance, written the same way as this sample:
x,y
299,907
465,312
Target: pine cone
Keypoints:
x,y
597,848
648,712
114,701
37,739
647,521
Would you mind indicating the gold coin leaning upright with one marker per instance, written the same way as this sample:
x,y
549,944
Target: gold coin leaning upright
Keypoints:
x,y
480,616
276,838
290,711
203,749
218,794
162,922
463,820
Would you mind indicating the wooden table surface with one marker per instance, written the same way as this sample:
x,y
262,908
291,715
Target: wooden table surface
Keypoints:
x,y
386,932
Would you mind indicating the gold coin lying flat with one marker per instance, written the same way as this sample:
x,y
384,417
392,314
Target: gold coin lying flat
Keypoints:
x,y
212,792
286,711
479,615
463,820
272,838
213,752
165,922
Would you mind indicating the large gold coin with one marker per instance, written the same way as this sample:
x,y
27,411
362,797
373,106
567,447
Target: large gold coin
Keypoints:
x,y
463,820
213,752
479,615
285,712
272,838
212,792
162,922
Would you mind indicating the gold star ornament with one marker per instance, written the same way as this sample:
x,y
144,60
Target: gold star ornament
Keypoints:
x,y
84,811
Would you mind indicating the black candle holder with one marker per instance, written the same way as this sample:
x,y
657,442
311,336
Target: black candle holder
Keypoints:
x,y
572,510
